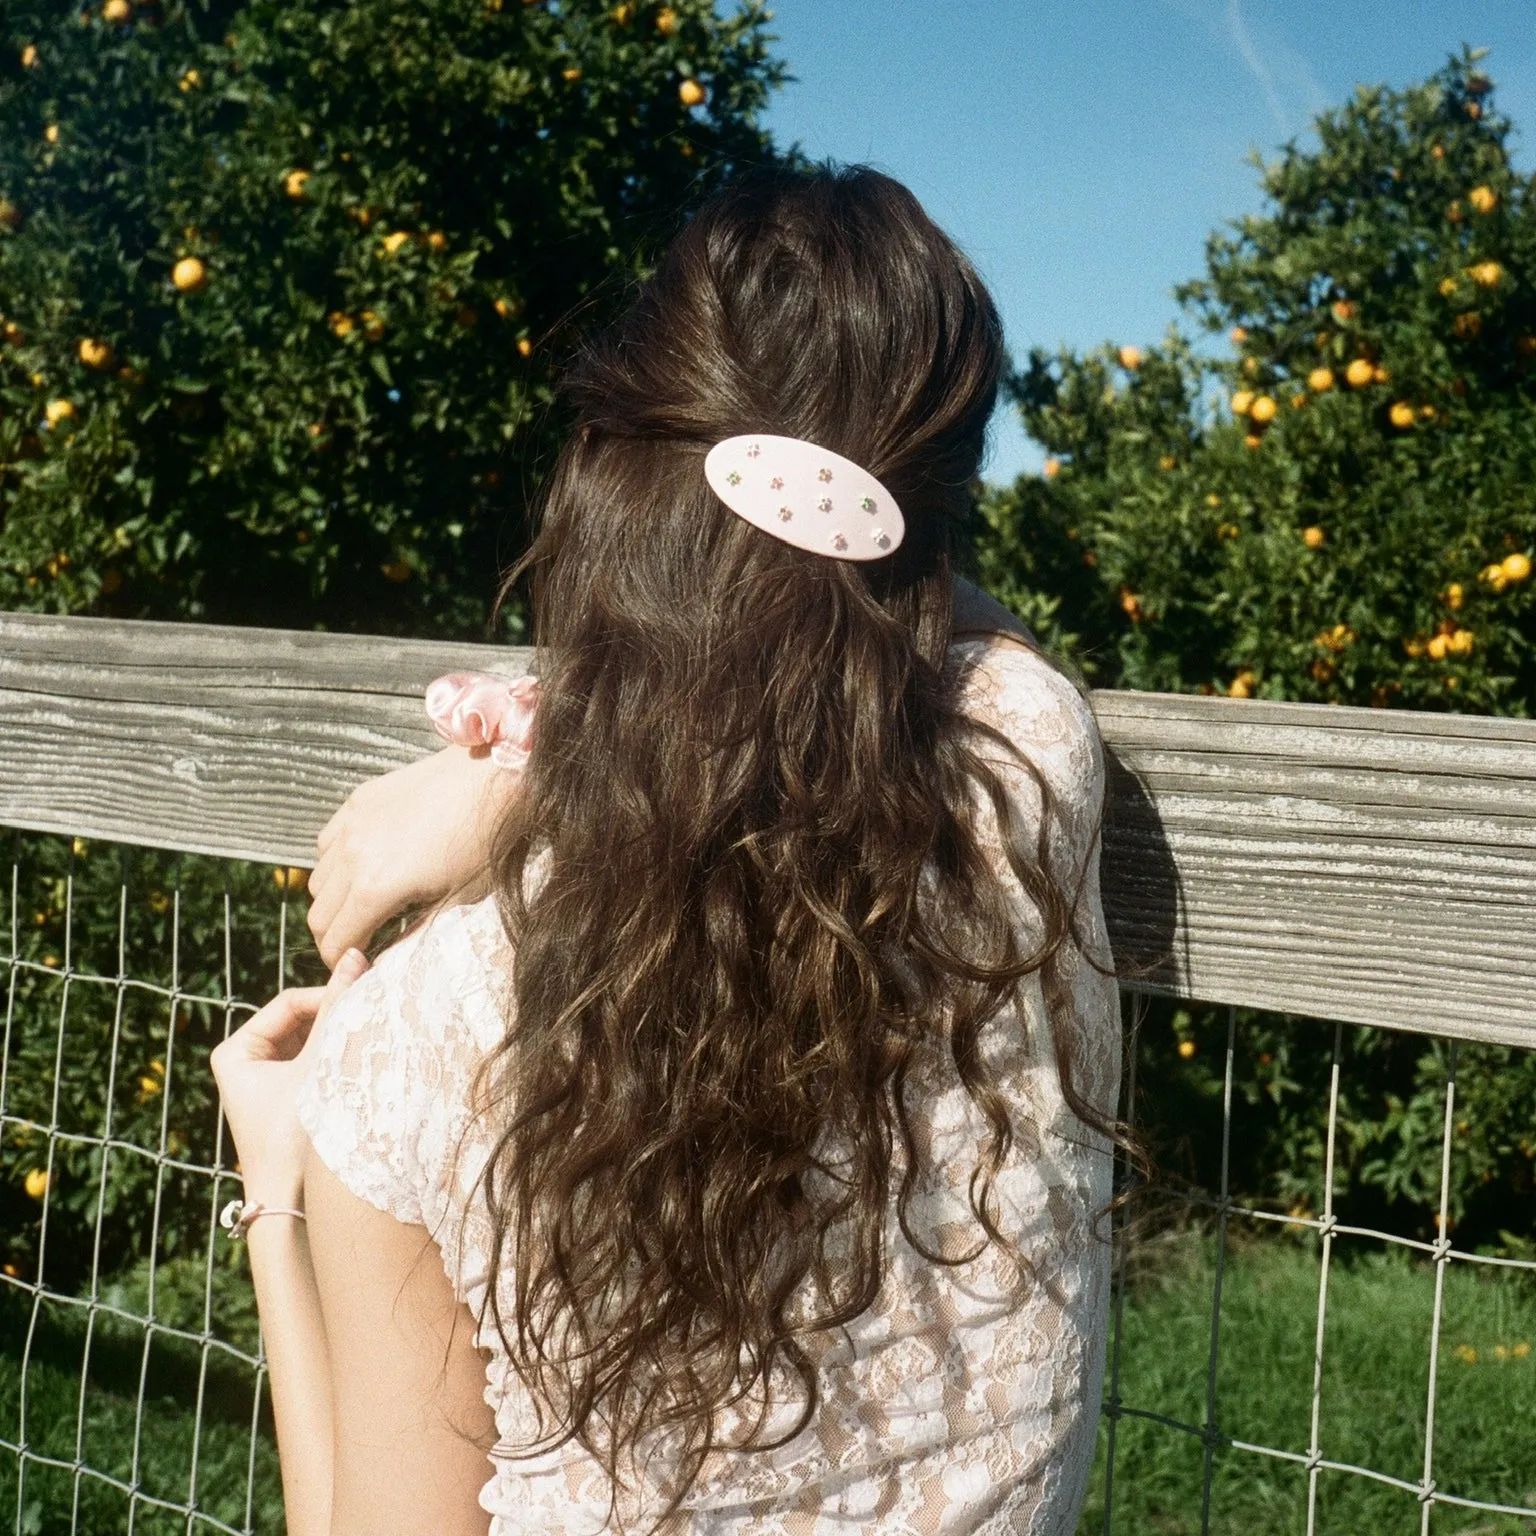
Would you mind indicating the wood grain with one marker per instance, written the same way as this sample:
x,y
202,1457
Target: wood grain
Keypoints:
x,y
1368,865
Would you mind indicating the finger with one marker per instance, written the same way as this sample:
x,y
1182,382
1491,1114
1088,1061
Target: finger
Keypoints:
x,y
322,913
278,1029
319,875
327,833
352,925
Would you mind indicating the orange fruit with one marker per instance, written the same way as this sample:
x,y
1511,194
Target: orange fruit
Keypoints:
x,y
666,21
1313,537
525,346
51,133
1460,642
116,10
691,93
1467,325
95,354
437,240
373,327
1447,287
1360,373
1238,334
1241,402
1167,462
1455,595
1516,567
1343,311
189,81
59,410
189,274
398,570
1262,410
1438,644
293,185
1438,151
1186,1049
1297,401
10,214
29,56
1486,274
572,73
508,309
1402,415
1483,199
1241,686
341,325
36,1183
1320,380
393,242
1052,468
1252,440
1453,212
1130,358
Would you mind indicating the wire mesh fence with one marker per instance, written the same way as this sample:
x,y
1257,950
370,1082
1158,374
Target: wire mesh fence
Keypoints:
x,y
1237,1393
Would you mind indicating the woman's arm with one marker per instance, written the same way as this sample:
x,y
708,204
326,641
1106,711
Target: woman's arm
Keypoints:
x,y
298,1364
259,1069
412,1431
411,837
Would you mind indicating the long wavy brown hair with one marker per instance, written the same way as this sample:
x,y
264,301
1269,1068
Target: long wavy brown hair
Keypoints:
x,y
743,881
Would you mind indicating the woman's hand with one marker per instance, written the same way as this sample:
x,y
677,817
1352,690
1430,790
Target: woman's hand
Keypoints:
x,y
407,838
259,1069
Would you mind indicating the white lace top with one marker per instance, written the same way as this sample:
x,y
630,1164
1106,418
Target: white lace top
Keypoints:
x,y
943,1409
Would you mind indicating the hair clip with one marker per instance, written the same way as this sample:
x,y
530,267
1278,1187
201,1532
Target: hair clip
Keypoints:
x,y
806,496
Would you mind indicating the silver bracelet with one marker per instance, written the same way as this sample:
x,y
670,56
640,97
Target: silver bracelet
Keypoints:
x,y
237,1216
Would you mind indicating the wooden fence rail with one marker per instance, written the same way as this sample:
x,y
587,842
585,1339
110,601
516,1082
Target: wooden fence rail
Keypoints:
x,y
1373,866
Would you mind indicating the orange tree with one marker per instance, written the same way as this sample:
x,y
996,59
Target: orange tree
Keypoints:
x,y
283,287
1341,512
282,283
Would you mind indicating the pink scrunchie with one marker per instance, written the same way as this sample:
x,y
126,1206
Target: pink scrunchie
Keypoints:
x,y
473,710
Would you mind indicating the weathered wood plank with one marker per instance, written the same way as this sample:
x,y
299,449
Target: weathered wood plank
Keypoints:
x,y
1374,866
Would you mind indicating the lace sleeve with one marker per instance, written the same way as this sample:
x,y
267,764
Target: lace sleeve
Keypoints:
x,y
387,1093
1018,693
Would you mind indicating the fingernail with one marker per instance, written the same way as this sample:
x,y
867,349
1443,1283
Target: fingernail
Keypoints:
x,y
354,959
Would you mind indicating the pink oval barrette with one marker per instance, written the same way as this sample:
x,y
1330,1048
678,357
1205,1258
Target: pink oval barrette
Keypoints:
x,y
807,496
473,710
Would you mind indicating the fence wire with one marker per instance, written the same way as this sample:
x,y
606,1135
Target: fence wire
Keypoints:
x,y
1210,1435
99,1464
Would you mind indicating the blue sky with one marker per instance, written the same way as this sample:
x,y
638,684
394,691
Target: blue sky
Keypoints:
x,y
1081,152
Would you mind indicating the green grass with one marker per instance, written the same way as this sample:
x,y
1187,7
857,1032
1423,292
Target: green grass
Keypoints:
x,y
1375,1387
48,1499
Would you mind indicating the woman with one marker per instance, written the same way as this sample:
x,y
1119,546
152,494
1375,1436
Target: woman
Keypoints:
x,y
751,1127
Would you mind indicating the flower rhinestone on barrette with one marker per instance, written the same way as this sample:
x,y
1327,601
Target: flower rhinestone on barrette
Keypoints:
x,y
807,496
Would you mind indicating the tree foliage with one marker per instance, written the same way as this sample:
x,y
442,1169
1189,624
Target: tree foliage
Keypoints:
x,y
1340,512
283,284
